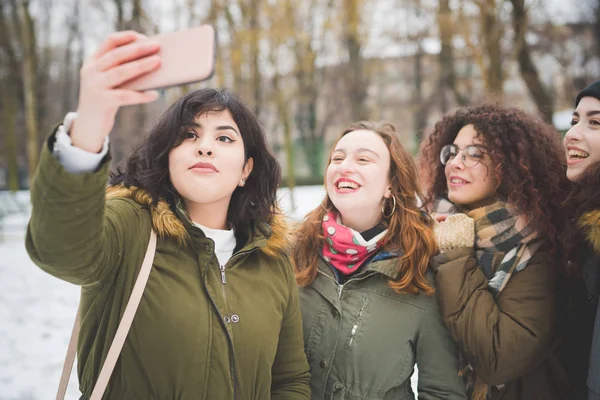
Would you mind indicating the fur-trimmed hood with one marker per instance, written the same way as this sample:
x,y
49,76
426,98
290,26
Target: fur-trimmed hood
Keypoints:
x,y
167,224
590,223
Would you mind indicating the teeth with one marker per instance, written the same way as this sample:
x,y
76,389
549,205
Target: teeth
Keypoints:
x,y
456,180
578,154
347,185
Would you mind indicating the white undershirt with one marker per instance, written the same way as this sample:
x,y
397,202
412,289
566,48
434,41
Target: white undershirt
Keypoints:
x,y
224,242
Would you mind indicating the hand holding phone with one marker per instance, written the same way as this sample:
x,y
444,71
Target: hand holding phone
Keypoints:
x,y
187,56
123,56
126,65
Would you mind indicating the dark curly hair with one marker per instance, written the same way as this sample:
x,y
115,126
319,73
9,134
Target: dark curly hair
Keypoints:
x,y
527,157
148,166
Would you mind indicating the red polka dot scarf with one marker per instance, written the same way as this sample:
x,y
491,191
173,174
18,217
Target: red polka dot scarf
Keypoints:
x,y
345,248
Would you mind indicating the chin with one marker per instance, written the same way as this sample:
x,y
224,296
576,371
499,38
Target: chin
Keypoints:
x,y
574,176
345,207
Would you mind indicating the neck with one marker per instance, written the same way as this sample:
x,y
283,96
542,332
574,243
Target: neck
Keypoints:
x,y
481,203
211,215
362,221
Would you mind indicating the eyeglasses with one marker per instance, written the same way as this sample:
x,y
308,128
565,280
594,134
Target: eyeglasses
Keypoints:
x,y
470,155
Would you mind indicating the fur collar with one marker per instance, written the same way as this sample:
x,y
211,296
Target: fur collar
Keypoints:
x,y
590,223
166,223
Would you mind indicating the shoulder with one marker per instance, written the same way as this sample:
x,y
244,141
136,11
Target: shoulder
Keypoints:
x,y
590,224
278,246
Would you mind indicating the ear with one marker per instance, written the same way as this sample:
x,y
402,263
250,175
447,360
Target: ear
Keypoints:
x,y
248,168
388,191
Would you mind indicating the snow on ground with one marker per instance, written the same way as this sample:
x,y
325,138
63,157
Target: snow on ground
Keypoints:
x,y
37,311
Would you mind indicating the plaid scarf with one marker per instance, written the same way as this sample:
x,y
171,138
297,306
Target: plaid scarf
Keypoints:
x,y
499,228
502,228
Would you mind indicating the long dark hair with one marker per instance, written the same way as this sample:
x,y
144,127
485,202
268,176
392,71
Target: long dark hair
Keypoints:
x,y
147,167
528,162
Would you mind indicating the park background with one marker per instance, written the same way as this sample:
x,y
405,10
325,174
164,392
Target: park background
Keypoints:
x,y
306,67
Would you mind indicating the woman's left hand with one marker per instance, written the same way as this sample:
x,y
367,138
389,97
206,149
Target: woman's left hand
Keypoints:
x,y
453,231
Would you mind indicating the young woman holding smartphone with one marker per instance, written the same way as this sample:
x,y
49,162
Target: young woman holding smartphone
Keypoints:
x,y
219,318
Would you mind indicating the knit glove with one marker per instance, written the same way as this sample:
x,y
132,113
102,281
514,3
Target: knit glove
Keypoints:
x,y
457,230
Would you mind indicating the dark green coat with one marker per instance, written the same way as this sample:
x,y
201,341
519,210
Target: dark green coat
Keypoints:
x,y
362,339
179,346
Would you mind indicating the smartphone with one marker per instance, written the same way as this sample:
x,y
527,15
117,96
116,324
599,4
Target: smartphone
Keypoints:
x,y
186,56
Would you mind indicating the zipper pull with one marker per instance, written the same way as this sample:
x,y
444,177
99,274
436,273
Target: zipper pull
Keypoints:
x,y
223,280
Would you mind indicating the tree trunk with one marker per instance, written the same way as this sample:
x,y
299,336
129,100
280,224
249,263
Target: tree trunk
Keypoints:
x,y
597,27
120,22
357,85
420,111
529,73
73,27
29,87
491,31
256,78
9,119
446,58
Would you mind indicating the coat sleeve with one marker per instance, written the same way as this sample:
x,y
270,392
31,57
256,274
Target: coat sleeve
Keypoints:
x,y
73,234
437,359
504,338
290,372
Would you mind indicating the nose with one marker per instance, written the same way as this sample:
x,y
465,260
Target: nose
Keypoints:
x,y
347,166
457,161
205,146
573,134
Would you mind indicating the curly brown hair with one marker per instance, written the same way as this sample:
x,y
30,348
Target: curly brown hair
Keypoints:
x,y
408,228
527,157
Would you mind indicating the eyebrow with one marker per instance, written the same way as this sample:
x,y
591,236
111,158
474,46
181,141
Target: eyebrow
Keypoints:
x,y
360,150
589,113
218,128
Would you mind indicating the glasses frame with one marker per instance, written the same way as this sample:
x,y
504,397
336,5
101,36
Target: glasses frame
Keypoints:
x,y
463,154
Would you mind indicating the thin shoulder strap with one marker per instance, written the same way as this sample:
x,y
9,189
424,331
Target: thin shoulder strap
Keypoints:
x,y
120,335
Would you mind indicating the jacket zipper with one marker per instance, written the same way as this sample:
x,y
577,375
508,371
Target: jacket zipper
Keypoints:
x,y
222,318
355,326
230,339
223,280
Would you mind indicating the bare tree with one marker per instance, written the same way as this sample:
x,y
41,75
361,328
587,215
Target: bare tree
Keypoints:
x,y
492,30
74,31
282,14
357,79
10,84
529,73
446,29
28,40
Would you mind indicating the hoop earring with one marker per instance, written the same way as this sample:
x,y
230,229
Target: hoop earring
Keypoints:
x,y
393,208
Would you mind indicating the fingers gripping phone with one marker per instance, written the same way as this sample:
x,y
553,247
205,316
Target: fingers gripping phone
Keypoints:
x,y
186,56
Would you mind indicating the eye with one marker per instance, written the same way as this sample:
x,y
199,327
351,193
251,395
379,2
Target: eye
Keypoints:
x,y
190,135
594,122
574,122
225,139
337,159
474,152
363,159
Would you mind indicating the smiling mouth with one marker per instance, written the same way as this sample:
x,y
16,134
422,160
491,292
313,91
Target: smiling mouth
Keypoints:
x,y
347,186
577,154
458,181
